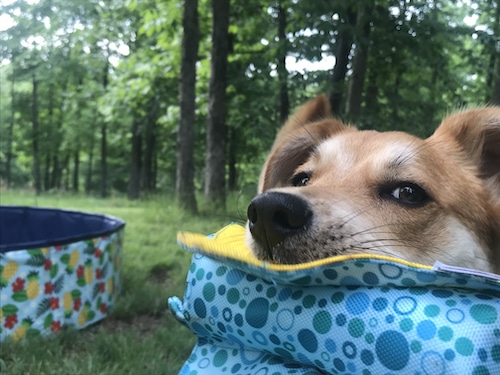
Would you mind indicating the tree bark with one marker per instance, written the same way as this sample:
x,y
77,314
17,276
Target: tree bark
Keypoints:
x,y
90,162
10,139
343,47
215,161
149,146
35,135
46,172
103,188
184,183
134,184
495,94
232,155
103,191
284,105
76,170
359,63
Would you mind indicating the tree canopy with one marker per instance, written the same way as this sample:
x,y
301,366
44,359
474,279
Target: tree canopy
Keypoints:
x,y
91,99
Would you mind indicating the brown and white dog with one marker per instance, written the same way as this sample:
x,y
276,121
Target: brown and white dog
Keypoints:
x,y
328,189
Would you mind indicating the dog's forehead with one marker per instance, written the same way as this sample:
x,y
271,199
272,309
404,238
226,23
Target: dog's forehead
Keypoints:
x,y
387,150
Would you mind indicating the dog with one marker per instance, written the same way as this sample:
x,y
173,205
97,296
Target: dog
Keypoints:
x,y
328,189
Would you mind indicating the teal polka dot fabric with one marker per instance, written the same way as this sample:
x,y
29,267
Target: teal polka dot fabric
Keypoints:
x,y
360,316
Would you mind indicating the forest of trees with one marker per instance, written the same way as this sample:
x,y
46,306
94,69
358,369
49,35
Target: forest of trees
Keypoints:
x,y
140,96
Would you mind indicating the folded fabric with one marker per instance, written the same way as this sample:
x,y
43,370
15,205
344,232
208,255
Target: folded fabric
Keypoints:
x,y
360,314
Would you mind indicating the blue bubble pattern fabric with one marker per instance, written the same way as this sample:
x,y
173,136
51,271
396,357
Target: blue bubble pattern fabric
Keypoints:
x,y
360,316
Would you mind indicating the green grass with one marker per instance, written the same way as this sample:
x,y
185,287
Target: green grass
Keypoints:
x,y
140,336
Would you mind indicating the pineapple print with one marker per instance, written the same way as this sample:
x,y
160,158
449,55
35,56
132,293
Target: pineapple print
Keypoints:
x,y
68,302
9,270
73,259
33,287
88,272
20,332
84,314
110,285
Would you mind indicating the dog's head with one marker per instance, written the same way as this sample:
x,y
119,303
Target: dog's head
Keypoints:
x,y
328,189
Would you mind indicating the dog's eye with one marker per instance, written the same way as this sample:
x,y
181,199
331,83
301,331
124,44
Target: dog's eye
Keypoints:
x,y
301,179
410,194
405,193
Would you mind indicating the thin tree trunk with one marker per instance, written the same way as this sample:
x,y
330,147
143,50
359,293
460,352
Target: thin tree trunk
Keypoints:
x,y
149,140
184,183
88,177
10,134
134,185
76,171
215,161
46,172
359,64
103,188
343,47
495,94
35,135
104,164
284,104
66,172
55,181
232,174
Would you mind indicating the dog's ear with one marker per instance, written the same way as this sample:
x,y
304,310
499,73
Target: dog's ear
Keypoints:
x,y
477,133
305,129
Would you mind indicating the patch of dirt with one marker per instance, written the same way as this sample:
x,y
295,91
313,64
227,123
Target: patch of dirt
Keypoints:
x,y
145,324
160,273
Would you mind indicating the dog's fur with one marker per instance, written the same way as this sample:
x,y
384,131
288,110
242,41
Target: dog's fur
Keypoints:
x,y
328,189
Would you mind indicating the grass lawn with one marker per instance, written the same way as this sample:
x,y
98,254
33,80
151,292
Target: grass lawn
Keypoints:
x,y
140,336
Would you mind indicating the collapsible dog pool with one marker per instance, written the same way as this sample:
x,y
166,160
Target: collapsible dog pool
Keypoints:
x,y
58,269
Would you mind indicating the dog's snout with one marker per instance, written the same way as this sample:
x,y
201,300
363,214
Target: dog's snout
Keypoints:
x,y
274,216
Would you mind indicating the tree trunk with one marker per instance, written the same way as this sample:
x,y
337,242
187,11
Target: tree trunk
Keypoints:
x,y
46,172
35,135
232,175
76,170
284,106
10,140
103,188
359,64
215,161
150,136
88,176
184,183
103,191
495,94
55,181
134,184
343,46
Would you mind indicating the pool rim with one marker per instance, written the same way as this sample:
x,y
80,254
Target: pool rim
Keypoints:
x,y
116,225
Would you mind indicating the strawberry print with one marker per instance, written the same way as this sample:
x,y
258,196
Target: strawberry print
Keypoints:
x,y
49,288
18,285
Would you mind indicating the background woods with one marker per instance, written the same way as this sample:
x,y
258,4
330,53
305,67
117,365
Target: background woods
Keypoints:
x,y
185,96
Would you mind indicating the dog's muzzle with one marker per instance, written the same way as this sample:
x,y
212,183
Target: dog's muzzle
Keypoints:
x,y
275,216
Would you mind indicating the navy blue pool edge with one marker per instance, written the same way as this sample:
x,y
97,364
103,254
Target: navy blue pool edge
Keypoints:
x,y
26,227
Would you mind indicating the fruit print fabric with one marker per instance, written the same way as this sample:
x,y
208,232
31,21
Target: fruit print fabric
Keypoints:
x,y
353,316
43,290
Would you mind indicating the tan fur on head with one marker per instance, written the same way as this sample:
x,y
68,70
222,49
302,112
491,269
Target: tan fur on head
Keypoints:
x,y
328,189
309,125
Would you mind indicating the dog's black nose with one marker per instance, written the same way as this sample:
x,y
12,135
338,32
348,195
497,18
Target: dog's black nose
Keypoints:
x,y
274,216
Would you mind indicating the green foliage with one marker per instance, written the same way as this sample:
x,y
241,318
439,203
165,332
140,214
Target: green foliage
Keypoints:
x,y
113,64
